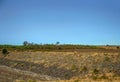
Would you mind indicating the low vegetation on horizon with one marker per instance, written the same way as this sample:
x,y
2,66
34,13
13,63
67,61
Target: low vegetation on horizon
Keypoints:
x,y
55,47
48,47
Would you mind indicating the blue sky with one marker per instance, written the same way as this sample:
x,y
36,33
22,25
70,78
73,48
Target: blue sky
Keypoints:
x,y
93,22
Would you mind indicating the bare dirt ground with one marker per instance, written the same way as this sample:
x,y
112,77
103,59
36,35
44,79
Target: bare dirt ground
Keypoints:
x,y
83,65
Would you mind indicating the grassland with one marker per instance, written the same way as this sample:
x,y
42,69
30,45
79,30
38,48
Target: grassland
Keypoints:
x,y
65,63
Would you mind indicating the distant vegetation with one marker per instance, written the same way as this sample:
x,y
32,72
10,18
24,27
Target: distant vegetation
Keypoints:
x,y
49,47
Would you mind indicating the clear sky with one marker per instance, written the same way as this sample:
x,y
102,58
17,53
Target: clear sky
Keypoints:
x,y
67,21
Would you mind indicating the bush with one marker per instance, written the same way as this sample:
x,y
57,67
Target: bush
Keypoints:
x,y
74,67
94,77
107,58
117,47
95,71
66,75
103,77
4,52
84,68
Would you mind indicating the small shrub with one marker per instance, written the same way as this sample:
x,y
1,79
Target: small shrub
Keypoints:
x,y
59,48
4,52
66,75
107,58
94,77
22,81
22,64
103,77
76,80
105,54
84,68
74,67
31,81
117,47
30,67
95,71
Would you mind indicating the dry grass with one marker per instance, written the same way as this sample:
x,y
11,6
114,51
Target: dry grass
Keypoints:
x,y
67,66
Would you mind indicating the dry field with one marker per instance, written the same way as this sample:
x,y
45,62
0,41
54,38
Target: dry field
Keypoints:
x,y
85,65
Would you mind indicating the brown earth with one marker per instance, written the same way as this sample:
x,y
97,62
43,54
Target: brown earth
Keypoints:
x,y
94,64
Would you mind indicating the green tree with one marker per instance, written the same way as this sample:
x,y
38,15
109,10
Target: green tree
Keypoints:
x,y
25,43
57,43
